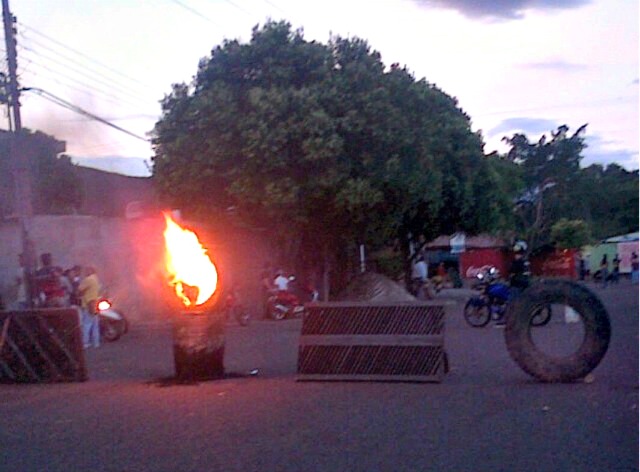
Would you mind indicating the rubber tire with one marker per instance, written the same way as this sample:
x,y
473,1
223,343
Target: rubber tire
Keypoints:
x,y
535,362
110,330
277,315
542,317
484,320
241,316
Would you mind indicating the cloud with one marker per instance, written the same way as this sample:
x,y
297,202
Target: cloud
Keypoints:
x,y
556,65
528,126
501,9
602,152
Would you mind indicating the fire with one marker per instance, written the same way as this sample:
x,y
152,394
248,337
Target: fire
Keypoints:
x,y
194,276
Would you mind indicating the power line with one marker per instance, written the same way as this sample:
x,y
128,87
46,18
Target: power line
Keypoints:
x,y
70,106
83,87
110,87
86,70
275,6
195,12
89,58
231,2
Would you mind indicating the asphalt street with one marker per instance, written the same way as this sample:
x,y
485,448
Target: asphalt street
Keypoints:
x,y
486,415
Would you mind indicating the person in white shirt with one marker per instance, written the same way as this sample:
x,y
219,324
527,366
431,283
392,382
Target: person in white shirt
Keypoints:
x,y
420,277
281,282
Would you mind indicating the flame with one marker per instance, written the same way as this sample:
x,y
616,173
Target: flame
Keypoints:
x,y
193,275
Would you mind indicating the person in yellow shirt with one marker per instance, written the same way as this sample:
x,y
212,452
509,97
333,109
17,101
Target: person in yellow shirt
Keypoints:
x,y
89,291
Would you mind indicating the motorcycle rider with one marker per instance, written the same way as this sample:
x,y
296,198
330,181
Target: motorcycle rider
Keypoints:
x,y
519,274
284,302
520,271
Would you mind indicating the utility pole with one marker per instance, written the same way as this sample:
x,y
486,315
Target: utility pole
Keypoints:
x,y
20,150
12,63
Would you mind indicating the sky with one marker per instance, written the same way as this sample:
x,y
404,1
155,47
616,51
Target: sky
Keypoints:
x,y
515,66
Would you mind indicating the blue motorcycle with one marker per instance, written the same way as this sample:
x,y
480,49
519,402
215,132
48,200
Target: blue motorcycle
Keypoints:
x,y
491,302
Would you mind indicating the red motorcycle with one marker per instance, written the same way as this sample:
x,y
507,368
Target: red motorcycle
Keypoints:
x,y
289,303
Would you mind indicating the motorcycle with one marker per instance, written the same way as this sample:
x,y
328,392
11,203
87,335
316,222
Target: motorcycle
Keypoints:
x,y
491,302
112,323
289,303
234,310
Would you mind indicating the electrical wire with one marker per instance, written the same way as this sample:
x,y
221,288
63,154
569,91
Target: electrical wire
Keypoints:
x,y
85,71
83,87
87,57
195,12
70,106
80,72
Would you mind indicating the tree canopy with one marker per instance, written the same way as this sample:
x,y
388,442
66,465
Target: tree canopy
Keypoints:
x,y
323,145
555,190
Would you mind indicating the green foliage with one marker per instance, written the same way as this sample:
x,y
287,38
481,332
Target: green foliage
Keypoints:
x,y
550,170
554,188
607,198
55,187
323,145
58,189
568,234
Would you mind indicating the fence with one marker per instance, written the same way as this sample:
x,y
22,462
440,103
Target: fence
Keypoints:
x,y
373,342
43,345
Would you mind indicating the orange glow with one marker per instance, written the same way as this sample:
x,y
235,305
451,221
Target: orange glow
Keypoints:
x,y
193,275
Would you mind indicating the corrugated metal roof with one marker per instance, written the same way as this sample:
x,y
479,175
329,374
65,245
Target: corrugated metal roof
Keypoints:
x,y
622,238
472,242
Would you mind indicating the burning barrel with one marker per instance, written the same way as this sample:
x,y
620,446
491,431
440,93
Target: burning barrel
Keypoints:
x,y
198,345
198,330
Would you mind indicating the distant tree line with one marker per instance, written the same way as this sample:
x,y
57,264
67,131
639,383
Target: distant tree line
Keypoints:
x,y
55,187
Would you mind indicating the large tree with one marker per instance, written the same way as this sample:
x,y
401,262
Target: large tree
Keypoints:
x,y
321,144
550,170
555,188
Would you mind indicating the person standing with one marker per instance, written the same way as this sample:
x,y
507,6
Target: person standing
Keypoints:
x,y
420,278
604,270
267,288
89,291
634,268
22,300
48,281
582,267
615,273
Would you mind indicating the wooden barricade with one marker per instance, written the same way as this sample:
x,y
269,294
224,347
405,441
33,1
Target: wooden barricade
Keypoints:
x,y
41,345
373,342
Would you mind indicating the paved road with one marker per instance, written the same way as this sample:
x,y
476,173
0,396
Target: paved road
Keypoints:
x,y
486,415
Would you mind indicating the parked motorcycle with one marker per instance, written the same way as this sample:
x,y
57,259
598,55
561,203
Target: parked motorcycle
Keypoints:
x,y
113,324
234,309
491,302
289,303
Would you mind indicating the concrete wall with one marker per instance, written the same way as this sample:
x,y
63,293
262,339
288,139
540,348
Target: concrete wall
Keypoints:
x,y
129,258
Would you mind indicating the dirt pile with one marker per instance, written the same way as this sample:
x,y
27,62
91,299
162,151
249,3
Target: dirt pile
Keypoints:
x,y
373,287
